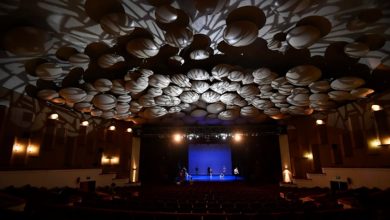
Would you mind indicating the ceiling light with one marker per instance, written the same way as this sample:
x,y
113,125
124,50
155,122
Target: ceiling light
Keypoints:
x,y
111,128
376,108
54,116
237,137
177,137
129,130
84,123
320,122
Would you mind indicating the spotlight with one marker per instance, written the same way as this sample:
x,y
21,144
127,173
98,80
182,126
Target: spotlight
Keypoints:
x,y
129,130
111,128
190,136
320,122
54,116
177,137
223,136
237,137
376,108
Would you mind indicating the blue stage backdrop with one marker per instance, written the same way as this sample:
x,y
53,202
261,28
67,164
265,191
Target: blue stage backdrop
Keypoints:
x,y
216,156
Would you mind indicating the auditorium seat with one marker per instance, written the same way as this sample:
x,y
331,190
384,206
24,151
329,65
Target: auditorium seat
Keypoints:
x,y
185,207
214,207
202,202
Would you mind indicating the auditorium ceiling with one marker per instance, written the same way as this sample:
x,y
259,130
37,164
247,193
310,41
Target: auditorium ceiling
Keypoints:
x,y
195,62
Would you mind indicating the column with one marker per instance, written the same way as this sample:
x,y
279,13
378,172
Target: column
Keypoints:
x,y
135,154
285,158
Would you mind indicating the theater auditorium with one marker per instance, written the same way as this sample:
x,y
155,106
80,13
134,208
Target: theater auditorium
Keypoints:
x,y
194,109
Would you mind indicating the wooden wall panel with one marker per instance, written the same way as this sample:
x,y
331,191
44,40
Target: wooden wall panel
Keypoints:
x,y
358,136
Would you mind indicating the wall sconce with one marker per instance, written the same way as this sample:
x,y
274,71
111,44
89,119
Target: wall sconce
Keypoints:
x,y
109,160
386,141
32,150
308,156
320,122
114,160
19,145
129,130
376,143
26,145
382,139
105,160
17,148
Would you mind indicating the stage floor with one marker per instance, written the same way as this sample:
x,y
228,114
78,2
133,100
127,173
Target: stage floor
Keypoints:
x,y
214,178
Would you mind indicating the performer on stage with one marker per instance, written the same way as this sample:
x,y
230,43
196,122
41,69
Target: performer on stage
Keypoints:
x,y
235,172
185,172
210,171
222,174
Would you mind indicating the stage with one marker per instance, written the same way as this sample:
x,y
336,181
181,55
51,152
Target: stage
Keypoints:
x,y
214,178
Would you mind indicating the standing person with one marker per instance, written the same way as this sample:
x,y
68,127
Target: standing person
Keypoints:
x,y
223,172
185,172
180,176
209,171
236,172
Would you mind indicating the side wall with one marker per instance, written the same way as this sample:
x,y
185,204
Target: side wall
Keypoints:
x,y
355,177
54,178
30,140
352,146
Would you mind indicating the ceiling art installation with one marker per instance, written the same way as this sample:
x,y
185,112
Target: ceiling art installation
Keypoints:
x,y
196,62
